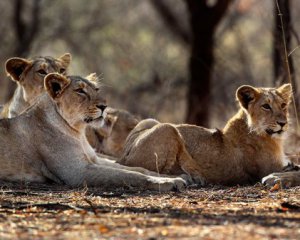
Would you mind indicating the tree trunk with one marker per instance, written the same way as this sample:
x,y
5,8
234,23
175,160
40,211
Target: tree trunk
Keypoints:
x,y
203,21
280,73
279,60
280,63
25,33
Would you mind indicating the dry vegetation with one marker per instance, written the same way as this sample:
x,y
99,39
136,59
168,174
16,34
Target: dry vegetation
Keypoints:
x,y
49,211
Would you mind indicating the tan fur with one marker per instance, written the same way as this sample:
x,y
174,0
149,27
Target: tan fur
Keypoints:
x,y
110,138
47,141
29,75
247,149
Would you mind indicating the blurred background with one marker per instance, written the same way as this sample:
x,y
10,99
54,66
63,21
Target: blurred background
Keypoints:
x,y
174,60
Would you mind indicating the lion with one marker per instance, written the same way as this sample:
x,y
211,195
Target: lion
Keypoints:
x,y
246,150
110,138
29,75
47,141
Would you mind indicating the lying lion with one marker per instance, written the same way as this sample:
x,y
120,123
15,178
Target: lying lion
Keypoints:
x,y
29,76
110,138
47,141
247,149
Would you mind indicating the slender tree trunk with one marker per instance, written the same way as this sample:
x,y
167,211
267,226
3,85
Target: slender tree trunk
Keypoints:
x,y
282,16
203,21
280,73
25,33
279,60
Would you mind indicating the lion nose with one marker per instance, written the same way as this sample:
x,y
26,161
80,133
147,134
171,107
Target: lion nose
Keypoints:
x,y
281,123
101,106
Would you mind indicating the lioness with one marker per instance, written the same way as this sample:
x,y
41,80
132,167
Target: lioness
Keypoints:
x,y
48,141
110,138
29,76
247,149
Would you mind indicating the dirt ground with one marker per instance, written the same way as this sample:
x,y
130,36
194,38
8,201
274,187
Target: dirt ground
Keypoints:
x,y
55,212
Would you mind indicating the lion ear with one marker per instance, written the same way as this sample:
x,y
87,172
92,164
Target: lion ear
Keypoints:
x,y
65,59
93,78
133,123
246,94
16,66
55,84
285,91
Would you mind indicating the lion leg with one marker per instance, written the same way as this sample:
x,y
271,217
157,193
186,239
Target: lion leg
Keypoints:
x,y
112,176
161,149
102,160
191,167
156,149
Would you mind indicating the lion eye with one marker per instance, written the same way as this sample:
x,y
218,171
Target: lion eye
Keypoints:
x,y
283,105
266,107
42,72
80,91
62,70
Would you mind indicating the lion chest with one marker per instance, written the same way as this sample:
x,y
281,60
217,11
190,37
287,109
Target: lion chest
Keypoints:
x,y
263,157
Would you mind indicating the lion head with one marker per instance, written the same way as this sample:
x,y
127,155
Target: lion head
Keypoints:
x,y
266,108
117,126
79,100
30,73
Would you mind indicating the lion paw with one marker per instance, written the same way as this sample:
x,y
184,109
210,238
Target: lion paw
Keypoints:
x,y
285,180
167,184
193,180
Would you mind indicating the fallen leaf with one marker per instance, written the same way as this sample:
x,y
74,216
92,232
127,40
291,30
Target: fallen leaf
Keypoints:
x,y
276,187
164,232
103,229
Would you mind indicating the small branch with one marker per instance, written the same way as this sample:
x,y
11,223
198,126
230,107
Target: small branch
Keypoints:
x,y
291,52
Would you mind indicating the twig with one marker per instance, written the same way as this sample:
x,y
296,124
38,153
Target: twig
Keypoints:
x,y
288,66
293,50
89,202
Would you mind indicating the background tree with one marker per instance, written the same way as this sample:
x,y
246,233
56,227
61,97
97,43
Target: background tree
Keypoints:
x,y
279,60
142,49
203,21
25,31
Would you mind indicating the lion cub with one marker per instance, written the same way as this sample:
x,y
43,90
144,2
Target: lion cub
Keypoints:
x,y
29,76
247,149
47,141
110,138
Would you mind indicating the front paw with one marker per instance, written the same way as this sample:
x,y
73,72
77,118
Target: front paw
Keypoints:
x,y
285,180
167,184
193,180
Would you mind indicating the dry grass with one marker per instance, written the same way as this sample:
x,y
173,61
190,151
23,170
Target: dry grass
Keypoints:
x,y
50,211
